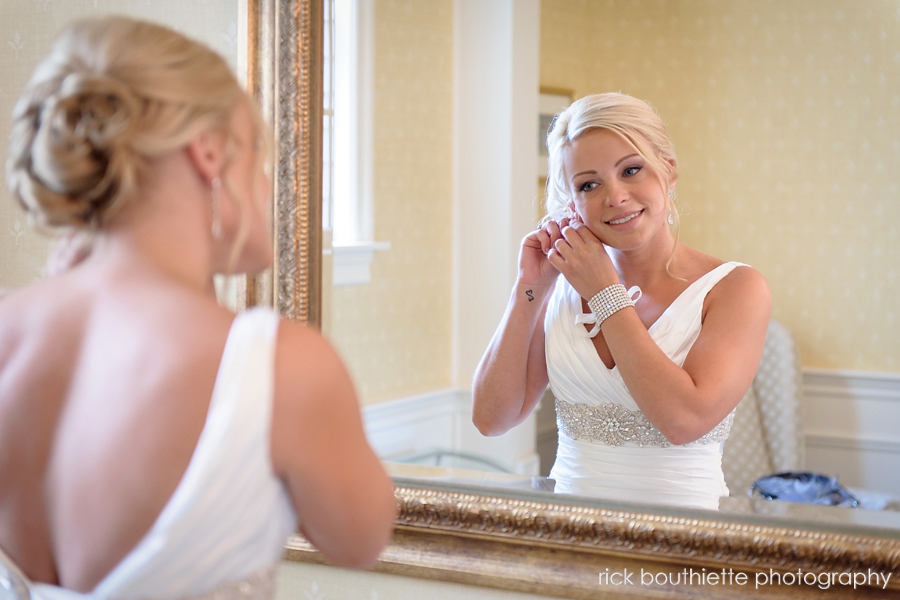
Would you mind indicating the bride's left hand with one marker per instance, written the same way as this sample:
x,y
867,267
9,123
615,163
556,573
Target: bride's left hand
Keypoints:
x,y
582,259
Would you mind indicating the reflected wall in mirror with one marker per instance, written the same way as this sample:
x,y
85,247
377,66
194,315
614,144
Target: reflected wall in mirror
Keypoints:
x,y
395,331
784,119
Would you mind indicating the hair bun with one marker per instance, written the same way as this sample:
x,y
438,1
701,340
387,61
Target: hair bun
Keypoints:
x,y
80,138
92,109
113,94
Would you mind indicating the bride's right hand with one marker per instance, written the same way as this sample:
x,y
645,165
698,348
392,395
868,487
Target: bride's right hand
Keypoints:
x,y
534,267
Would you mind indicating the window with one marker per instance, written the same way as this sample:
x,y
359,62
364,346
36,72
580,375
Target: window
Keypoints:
x,y
347,179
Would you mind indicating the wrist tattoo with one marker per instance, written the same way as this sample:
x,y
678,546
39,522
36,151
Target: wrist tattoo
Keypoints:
x,y
529,294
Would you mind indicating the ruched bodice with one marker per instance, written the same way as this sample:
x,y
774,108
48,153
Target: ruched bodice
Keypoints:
x,y
224,529
607,448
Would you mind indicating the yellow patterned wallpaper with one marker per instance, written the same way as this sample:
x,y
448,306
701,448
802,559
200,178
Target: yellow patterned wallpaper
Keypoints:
x,y
786,120
27,28
394,333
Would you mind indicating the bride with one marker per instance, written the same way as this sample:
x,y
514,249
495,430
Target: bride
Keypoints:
x,y
647,344
152,443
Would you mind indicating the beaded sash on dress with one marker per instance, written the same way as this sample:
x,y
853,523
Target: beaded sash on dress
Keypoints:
x,y
615,425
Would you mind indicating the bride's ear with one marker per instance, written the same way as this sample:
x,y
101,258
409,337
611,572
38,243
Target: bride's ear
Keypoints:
x,y
573,213
207,153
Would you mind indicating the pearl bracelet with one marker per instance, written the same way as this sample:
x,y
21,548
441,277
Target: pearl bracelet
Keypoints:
x,y
609,301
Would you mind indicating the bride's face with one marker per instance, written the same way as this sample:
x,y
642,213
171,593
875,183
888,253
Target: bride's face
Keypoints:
x,y
615,192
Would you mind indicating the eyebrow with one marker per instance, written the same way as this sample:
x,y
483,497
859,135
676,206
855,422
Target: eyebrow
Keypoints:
x,y
624,158
619,162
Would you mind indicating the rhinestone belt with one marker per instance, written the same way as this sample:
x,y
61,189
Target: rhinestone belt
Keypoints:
x,y
614,425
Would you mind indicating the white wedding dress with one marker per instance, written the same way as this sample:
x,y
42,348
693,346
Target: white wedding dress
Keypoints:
x,y
607,448
223,531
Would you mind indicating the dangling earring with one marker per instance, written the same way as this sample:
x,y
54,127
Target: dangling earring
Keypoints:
x,y
215,185
671,217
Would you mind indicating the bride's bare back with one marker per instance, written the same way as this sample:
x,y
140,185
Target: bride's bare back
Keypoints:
x,y
107,369
99,415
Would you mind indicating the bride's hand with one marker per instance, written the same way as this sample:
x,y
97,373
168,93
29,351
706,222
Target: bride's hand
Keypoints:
x,y
582,259
534,267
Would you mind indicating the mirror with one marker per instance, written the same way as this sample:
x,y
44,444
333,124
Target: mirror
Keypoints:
x,y
756,130
759,103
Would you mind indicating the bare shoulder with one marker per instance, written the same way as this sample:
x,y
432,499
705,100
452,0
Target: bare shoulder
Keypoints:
x,y
744,280
14,302
692,264
315,405
303,351
43,306
310,378
744,291
343,498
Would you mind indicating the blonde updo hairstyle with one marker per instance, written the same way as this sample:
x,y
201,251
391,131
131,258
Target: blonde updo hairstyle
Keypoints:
x,y
113,94
632,119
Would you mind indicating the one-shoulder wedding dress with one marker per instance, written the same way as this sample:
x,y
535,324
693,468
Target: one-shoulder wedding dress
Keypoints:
x,y
223,531
607,447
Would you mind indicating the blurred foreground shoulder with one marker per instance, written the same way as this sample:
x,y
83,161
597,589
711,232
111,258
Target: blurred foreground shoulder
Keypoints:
x,y
342,495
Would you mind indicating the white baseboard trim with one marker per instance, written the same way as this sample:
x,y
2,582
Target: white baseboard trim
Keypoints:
x,y
833,442
441,420
415,423
849,422
851,405
851,385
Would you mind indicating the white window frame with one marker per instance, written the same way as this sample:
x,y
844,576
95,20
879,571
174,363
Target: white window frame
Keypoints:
x,y
352,202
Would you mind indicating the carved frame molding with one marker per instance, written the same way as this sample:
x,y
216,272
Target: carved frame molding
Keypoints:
x,y
558,549
285,75
750,545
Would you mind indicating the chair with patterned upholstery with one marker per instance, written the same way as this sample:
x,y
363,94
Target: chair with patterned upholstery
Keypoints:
x,y
767,435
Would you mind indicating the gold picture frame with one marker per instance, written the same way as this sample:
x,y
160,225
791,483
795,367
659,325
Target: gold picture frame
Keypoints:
x,y
550,102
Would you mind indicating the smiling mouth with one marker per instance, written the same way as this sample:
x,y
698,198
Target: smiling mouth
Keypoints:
x,y
625,219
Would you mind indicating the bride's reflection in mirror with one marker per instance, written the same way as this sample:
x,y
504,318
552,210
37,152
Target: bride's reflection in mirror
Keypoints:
x,y
778,113
648,344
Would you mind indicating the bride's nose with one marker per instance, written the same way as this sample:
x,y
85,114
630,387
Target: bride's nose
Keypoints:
x,y
616,194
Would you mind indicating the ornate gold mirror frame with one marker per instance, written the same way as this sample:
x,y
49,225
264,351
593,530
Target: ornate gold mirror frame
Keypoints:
x,y
510,541
285,75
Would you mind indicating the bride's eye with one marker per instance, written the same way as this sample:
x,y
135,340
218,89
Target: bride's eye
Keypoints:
x,y
587,186
631,171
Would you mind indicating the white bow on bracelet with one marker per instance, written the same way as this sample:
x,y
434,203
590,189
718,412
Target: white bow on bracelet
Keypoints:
x,y
609,309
